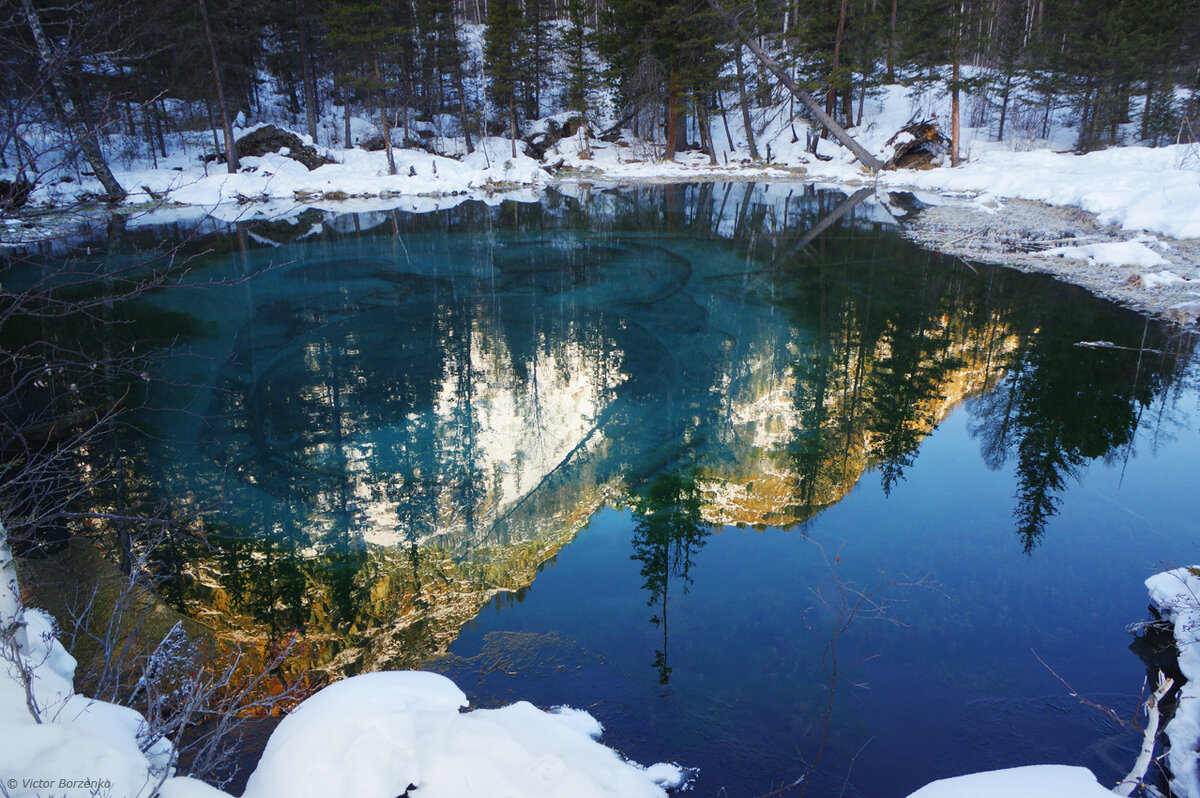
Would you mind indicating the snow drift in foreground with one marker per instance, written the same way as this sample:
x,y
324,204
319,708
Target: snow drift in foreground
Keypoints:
x,y
382,733
377,733
1176,593
91,745
370,735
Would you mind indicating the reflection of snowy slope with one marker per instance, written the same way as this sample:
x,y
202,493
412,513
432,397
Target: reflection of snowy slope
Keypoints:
x,y
498,429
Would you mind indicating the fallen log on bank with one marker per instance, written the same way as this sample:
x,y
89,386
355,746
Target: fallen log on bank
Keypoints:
x,y
917,145
818,113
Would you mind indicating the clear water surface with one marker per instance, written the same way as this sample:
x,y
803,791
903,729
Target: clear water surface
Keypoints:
x,y
768,490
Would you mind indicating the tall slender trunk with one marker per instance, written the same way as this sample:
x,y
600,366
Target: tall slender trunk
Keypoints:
x,y
310,83
725,122
831,99
383,117
231,156
891,47
741,81
512,121
702,122
346,114
462,92
672,112
954,111
1004,94
71,118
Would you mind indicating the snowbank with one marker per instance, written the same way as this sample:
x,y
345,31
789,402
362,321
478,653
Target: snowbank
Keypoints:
x,y
83,746
1034,781
385,733
377,733
370,735
1176,593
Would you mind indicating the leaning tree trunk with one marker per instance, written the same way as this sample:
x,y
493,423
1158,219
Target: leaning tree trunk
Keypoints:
x,y
838,132
71,117
231,156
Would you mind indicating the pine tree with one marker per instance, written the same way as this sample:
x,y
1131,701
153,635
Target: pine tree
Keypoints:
x,y
505,52
370,36
680,41
579,41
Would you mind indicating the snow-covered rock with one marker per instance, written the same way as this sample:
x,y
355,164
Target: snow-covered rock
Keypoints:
x,y
1033,781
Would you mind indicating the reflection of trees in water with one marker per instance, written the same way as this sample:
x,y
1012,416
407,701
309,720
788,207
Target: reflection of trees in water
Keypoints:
x,y
668,532
366,395
1061,406
898,340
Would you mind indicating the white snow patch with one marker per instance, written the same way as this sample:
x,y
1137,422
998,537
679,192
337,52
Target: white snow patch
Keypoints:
x,y
79,738
373,734
1117,253
377,733
1177,595
1163,279
1033,781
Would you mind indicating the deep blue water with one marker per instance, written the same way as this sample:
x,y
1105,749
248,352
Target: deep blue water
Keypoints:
x,y
702,471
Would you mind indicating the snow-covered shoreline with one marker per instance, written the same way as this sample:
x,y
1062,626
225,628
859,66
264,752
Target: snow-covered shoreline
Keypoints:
x,y
380,733
1131,244
1034,237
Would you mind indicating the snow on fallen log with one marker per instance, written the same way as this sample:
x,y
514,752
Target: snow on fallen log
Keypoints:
x,y
917,145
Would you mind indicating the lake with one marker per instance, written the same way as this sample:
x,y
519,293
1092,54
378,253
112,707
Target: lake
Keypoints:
x,y
767,489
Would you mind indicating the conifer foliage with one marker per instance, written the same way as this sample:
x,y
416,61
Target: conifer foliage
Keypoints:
x,y
672,70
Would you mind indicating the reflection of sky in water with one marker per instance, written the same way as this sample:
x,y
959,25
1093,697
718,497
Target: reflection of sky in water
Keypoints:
x,y
457,400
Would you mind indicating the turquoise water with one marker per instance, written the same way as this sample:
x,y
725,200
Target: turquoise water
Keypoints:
x,y
768,504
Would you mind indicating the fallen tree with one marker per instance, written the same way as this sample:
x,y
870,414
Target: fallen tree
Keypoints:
x,y
806,99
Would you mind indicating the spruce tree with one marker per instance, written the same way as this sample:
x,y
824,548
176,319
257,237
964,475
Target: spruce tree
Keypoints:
x,y
505,52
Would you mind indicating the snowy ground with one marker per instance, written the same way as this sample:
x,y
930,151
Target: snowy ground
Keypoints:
x,y
1124,222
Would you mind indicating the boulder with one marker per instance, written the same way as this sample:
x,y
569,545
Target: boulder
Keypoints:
x,y
269,139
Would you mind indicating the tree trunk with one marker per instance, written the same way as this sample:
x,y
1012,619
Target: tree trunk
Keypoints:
x,y
346,115
954,113
512,121
839,133
310,83
1004,93
462,97
891,47
383,117
71,118
741,79
831,99
672,112
231,156
702,122
725,122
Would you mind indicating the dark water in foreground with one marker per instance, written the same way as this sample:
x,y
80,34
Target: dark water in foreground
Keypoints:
x,y
763,502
